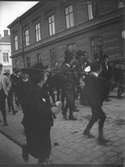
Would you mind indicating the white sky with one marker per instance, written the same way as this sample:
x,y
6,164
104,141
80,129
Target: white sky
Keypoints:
x,y
10,10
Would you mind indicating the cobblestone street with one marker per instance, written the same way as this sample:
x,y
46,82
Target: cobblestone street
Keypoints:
x,y
57,57
69,146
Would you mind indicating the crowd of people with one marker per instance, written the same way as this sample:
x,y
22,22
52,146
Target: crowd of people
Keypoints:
x,y
37,89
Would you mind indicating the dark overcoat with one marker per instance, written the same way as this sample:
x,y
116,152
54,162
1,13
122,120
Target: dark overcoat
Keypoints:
x,y
37,122
69,78
93,92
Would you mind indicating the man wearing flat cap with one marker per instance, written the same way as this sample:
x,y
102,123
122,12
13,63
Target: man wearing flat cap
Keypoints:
x,y
94,91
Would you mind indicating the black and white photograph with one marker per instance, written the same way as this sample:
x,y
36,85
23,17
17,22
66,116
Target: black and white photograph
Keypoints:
x,y
62,82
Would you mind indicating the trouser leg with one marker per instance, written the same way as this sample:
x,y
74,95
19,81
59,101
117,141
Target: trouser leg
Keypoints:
x,y
63,97
52,95
58,94
71,103
65,108
102,118
93,119
3,110
9,101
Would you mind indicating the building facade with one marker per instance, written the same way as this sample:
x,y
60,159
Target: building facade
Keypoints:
x,y
43,33
5,52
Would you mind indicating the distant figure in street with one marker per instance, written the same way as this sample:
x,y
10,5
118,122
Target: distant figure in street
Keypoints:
x,y
106,74
10,94
95,93
4,88
69,87
119,79
38,118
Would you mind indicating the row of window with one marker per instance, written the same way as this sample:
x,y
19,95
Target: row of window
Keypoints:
x,y
69,18
52,58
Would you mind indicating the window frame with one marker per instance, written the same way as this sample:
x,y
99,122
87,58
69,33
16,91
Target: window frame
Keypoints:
x,y
51,23
90,10
27,37
16,42
38,32
69,16
6,57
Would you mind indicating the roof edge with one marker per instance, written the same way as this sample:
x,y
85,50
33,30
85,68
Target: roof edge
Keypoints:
x,y
25,14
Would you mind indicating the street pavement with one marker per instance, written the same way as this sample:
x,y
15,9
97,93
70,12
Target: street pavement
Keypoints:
x,y
70,146
10,153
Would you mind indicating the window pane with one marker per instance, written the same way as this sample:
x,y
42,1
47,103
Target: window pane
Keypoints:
x,y
70,8
71,20
38,25
38,34
52,18
66,11
49,19
50,29
67,21
69,17
27,37
16,42
5,58
52,25
90,12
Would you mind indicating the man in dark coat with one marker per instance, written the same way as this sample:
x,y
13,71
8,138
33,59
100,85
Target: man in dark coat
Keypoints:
x,y
119,79
38,118
68,86
94,92
106,73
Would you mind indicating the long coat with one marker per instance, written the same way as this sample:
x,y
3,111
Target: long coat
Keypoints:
x,y
37,122
69,78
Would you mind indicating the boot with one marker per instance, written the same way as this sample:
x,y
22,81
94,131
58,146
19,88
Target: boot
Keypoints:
x,y
71,117
101,140
25,154
88,134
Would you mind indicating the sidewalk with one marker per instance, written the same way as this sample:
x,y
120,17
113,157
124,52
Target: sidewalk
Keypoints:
x,y
69,146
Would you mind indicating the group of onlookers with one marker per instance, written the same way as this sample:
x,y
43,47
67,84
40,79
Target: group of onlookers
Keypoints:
x,y
34,90
76,77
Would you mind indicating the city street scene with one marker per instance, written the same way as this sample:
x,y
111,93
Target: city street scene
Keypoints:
x,y
62,82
